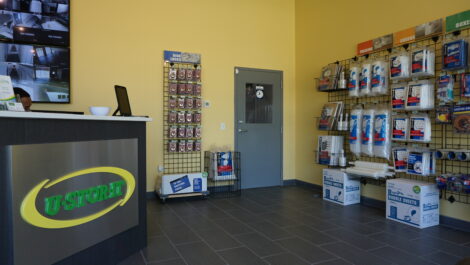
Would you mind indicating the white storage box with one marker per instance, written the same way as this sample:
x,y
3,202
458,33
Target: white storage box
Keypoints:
x,y
183,183
415,203
338,188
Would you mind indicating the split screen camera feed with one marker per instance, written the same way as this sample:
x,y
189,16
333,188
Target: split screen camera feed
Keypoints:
x,y
30,30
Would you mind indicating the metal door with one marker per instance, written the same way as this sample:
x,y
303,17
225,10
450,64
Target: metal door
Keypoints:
x,y
258,126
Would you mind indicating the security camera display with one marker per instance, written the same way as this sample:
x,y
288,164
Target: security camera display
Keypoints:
x,y
44,72
41,22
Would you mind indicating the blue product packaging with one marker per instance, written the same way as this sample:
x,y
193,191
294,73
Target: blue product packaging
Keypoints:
x,y
380,129
395,66
445,90
465,85
366,120
455,55
398,96
353,130
415,163
418,63
400,127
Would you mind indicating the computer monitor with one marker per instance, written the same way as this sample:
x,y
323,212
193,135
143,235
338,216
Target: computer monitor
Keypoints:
x,y
124,107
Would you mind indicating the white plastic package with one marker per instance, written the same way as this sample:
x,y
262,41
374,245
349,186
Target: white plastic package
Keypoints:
x,y
419,162
365,79
399,94
382,141
400,158
420,95
367,131
354,80
399,65
400,127
355,130
420,128
422,61
379,81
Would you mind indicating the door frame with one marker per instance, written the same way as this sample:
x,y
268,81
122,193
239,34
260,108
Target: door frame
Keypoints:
x,y
235,121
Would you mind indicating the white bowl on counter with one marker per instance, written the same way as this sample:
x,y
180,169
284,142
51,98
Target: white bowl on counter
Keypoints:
x,y
99,111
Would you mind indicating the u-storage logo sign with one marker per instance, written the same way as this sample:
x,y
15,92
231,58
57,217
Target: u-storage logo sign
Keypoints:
x,y
77,198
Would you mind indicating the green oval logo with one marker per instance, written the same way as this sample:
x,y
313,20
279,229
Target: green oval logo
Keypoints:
x,y
77,199
416,189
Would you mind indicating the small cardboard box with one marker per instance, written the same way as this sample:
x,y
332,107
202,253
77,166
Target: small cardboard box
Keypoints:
x,y
415,203
183,183
338,188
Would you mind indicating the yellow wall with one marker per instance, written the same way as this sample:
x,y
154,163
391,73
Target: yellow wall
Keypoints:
x,y
122,42
327,31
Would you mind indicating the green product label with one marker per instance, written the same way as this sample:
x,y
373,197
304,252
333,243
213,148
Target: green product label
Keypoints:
x,y
416,189
458,21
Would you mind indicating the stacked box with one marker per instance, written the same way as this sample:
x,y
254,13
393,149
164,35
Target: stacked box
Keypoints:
x,y
415,203
339,188
183,183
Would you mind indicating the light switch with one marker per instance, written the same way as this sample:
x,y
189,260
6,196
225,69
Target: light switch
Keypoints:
x,y
222,126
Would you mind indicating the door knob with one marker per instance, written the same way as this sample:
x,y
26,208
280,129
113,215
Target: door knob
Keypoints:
x,y
242,131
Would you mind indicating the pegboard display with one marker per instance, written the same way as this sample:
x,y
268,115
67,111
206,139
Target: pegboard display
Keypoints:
x,y
182,115
443,136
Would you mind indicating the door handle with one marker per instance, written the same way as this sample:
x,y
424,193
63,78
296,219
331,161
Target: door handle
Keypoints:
x,y
242,131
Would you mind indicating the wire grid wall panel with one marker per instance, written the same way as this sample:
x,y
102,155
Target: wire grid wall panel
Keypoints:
x,y
178,162
442,136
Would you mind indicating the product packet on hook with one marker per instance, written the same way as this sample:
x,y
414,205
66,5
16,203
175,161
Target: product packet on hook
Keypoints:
x,y
420,95
399,95
379,81
400,158
400,65
455,54
400,127
355,130
420,161
382,141
420,128
367,131
422,61
445,88
354,79
365,78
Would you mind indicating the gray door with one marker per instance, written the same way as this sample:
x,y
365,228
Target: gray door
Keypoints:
x,y
258,126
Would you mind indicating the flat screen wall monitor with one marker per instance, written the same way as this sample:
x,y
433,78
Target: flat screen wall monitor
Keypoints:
x,y
124,106
42,71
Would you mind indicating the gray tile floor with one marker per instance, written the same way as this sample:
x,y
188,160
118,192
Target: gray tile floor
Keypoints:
x,y
288,226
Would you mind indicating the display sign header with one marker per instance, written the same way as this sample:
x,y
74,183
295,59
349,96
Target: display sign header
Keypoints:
x,y
404,36
458,21
181,57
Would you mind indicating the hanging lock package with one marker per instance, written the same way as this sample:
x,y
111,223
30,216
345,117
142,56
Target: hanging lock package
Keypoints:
x,y
379,81
367,131
465,85
365,79
399,65
354,79
400,127
445,88
355,125
420,128
382,142
420,95
455,55
422,61
400,158
399,94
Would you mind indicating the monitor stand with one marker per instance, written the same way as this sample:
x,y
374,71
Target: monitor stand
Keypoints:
x,y
116,111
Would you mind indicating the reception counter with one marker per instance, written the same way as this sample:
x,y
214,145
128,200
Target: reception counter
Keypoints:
x,y
72,188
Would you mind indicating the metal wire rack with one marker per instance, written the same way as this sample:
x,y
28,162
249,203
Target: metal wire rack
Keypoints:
x,y
223,186
443,135
188,160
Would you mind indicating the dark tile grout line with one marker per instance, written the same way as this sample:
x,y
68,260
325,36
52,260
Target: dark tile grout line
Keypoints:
x,y
173,245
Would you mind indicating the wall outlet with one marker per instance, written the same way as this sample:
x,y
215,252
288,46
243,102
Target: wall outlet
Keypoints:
x,y
222,126
160,168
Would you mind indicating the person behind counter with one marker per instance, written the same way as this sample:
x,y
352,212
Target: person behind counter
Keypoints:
x,y
24,97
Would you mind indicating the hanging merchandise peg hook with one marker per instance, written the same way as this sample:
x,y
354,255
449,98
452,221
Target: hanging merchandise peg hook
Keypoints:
x,y
406,46
456,33
435,39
